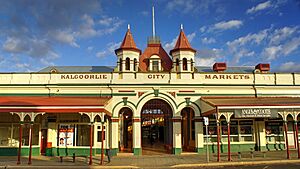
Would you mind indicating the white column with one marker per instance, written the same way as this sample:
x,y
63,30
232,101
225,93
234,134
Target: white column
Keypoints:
x,y
114,141
137,143
262,134
199,135
177,145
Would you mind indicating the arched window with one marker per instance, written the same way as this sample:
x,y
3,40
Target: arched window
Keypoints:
x,y
121,65
177,65
192,65
184,62
127,64
134,65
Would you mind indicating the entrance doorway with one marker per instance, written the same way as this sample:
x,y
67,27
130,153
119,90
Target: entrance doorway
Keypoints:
x,y
188,129
126,130
156,127
43,141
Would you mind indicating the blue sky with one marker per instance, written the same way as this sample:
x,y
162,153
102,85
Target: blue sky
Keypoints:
x,y
35,34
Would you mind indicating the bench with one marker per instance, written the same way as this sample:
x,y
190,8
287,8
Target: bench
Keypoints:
x,y
74,157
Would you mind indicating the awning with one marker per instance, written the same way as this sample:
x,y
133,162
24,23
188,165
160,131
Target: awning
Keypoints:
x,y
210,105
53,104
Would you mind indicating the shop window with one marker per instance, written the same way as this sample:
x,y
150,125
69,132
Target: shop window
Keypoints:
x,y
274,132
234,132
240,131
246,130
127,64
83,135
9,134
184,64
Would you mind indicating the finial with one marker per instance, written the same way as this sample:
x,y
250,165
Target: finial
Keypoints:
x,y
128,26
153,22
181,26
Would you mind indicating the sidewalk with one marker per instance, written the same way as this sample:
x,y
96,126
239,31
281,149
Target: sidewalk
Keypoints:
x,y
148,161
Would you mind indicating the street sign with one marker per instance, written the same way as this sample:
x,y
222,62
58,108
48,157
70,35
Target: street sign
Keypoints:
x,y
205,121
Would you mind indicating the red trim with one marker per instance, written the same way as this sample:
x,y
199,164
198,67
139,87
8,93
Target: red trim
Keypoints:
x,y
286,141
20,143
187,91
136,119
297,140
91,144
64,110
114,119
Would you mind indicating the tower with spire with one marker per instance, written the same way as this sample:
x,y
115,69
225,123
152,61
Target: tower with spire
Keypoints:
x,y
183,54
154,58
128,54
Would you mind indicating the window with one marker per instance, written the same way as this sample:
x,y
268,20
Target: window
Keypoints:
x,y
177,65
83,135
184,62
9,134
127,64
192,65
155,66
135,65
121,66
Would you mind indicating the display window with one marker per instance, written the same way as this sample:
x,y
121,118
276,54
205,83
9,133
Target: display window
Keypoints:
x,y
240,131
274,131
9,134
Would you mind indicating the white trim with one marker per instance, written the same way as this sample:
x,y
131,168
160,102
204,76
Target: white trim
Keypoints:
x,y
50,107
244,107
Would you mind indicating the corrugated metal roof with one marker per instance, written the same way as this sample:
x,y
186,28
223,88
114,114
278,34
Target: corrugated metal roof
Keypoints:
x,y
233,69
85,69
107,69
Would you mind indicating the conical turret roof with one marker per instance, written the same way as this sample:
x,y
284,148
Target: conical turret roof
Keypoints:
x,y
182,43
128,43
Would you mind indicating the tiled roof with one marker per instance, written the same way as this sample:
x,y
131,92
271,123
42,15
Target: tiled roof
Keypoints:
x,y
103,69
128,43
155,49
182,43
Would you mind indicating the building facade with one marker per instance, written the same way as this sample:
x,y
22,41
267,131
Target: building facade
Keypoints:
x,y
151,101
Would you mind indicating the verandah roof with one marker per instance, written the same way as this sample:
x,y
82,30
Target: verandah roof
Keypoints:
x,y
211,103
53,104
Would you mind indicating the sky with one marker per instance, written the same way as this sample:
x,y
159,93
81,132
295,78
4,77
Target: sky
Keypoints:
x,y
35,34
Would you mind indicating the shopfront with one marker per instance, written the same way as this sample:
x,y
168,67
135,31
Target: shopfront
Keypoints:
x,y
247,124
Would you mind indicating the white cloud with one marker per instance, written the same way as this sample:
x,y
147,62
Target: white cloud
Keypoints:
x,y
259,7
207,57
282,34
101,54
14,45
90,48
289,67
65,37
110,50
206,40
191,36
203,29
268,44
272,52
169,46
225,25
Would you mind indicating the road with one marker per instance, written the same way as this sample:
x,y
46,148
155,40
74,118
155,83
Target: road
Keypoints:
x,y
266,166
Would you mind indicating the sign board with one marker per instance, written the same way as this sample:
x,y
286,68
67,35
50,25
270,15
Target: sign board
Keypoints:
x,y
255,113
66,135
205,121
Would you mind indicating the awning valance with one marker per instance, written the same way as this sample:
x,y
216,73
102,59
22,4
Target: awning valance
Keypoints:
x,y
211,104
53,104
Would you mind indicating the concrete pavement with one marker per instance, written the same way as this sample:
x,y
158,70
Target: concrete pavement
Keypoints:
x,y
150,161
